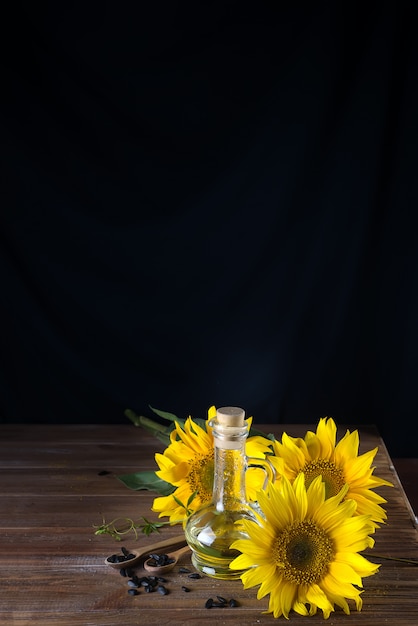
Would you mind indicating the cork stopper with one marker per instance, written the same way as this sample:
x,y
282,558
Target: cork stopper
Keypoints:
x,y
230,416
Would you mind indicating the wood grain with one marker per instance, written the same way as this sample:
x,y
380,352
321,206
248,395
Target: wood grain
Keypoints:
x,y
52,565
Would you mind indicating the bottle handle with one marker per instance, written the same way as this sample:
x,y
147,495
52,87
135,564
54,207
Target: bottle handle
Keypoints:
x,y
266,466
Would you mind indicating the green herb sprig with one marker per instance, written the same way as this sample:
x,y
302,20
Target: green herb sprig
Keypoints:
x,y
121,526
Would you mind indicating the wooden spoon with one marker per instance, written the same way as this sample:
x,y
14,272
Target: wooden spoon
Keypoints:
x,y
162,569
170,542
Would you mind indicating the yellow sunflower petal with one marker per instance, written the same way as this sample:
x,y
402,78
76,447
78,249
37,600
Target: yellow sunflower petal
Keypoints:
x,y
300,608
174,474
338,587
275,507
345,573
257,447
358,562
366,506
347,447
339,601
163,461
360,466
211,412
193,436
255,555
162,503
316,595
316,496
255,479
254,576
166,506
241,562
261,535
313,444
293,451
301,496
287,596
326,432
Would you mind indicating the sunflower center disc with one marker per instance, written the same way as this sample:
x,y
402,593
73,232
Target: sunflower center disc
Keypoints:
x,y
331,475
305,550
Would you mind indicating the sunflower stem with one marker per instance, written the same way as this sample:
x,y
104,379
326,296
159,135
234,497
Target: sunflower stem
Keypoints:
x,y
391,558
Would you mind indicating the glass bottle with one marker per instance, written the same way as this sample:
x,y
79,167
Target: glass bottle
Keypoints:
x,y
211,530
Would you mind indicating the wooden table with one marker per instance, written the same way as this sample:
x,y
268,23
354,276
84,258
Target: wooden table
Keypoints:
x,y
54,488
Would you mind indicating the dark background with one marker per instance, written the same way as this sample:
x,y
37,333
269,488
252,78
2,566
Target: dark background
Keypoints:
x,y
210,204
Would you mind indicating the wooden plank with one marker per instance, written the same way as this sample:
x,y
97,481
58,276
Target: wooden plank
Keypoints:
x,y
68,481
61,456
71,510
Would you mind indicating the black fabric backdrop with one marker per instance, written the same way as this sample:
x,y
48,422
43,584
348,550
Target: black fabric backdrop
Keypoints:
x,y
211,205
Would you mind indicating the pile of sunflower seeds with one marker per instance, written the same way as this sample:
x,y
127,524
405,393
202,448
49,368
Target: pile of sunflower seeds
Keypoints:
x,y
147,583
156,560
121,558
151,584
221,603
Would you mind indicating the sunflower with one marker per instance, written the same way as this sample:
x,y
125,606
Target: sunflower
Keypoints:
x,y
304,550
338,464
188,464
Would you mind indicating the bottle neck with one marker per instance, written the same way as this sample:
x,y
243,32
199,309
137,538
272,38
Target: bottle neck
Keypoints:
x,y
229,470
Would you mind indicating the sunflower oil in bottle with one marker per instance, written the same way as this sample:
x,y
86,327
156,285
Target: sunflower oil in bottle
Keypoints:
x,y
211,530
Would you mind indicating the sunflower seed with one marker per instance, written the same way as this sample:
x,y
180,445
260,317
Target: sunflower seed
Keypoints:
x,y
133,592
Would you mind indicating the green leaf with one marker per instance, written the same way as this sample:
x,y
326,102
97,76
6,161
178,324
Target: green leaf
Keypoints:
x,y
147,480
200,422
173,418
191,498
180,503
165,415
